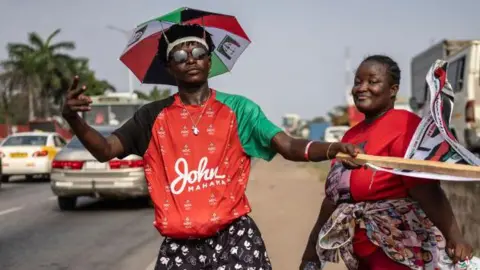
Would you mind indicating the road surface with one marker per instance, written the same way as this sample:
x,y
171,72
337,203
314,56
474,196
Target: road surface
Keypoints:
x,y
286,198
34,234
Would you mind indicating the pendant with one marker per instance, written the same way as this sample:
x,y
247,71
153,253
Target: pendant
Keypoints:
x,y
195,130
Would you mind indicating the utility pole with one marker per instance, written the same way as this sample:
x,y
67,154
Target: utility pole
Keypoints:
x,y
127,35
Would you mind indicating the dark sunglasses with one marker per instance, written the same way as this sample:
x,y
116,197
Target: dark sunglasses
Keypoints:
x,y
181,56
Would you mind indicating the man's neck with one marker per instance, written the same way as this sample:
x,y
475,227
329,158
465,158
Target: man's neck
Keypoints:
x,y
194,95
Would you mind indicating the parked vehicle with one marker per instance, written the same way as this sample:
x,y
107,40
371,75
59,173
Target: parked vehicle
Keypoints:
x,y
420,65
464,76
335,133
29,154
76,173
112,109
317,131
463,57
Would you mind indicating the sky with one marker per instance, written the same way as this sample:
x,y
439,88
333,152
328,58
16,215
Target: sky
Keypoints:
x,y
296,62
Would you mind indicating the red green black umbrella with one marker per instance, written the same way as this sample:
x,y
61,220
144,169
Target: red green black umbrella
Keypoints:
x,y
228,36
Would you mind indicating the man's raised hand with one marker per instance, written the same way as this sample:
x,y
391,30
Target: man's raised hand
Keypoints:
x,y
75,100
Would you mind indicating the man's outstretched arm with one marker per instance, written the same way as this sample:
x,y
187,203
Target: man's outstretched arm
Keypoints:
x,y
304,150
103,149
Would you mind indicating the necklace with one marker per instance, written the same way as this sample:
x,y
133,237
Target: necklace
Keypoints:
x,y
195,129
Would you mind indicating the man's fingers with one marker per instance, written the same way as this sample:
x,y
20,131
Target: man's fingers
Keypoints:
x,y
80,108
350,165
77,92
85,98
351,150
74,83
78,102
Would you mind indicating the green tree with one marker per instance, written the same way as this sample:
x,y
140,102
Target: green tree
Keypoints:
x,y
43,69
154,94
20,73
51,64
80,67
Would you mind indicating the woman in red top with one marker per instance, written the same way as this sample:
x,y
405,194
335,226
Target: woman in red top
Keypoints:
x,y
378,220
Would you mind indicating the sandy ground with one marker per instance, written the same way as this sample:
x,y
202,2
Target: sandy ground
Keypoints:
x,y
286,198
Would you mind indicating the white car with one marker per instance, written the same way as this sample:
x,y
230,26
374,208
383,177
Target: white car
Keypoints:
x,y
76,173
335,133
29,154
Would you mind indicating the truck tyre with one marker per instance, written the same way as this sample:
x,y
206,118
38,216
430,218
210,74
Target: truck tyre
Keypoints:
x,y
66,203
5,178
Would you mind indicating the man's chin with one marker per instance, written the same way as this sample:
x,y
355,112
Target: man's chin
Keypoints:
x,y
195,80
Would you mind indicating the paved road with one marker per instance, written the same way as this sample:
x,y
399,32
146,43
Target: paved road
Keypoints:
x,y
34,234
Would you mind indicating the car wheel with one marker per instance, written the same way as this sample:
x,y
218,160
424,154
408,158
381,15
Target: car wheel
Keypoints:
x,y
29,178
5,178
67,203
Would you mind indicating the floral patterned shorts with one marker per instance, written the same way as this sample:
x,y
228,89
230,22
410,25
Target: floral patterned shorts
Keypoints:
x,y
239,246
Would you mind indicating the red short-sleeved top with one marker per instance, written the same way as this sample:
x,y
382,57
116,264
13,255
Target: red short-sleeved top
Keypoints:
x,y
388,135
198,182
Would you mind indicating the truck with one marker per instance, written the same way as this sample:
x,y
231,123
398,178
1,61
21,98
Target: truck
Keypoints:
x,y
463,74
421,63
317,131
112,109
294,125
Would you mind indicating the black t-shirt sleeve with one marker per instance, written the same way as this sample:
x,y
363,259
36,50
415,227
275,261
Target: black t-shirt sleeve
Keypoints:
x,y
136,133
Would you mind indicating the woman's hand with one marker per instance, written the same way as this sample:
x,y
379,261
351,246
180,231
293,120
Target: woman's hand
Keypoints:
x,y
459,250
435,203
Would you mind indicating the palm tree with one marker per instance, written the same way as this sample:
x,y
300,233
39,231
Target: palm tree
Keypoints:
x,y
43,69
20,73
79,66
45,65
154,94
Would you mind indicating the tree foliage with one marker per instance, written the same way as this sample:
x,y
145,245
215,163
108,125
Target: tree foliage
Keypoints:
x,y
40,72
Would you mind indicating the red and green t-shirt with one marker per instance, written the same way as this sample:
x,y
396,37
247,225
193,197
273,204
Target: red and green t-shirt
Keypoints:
x,y
197,182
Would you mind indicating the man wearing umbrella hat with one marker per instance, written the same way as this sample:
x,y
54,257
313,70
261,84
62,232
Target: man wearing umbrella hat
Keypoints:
x,y
197,147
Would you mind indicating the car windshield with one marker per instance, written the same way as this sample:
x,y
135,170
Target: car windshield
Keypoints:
x,y
30,140
75,143
103,115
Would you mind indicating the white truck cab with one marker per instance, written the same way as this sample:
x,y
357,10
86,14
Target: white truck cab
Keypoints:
x,y
464,77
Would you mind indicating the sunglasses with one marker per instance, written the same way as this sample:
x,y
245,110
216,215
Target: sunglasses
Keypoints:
x,y
181,56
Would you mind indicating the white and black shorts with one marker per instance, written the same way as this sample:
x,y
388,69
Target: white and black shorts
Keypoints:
x,y
239,246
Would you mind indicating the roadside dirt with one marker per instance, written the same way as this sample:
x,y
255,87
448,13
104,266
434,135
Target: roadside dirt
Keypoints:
x,y
286,198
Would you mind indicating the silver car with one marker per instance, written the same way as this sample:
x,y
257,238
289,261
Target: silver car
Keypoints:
x,y
75,173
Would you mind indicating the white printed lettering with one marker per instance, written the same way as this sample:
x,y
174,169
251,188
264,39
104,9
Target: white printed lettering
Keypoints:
x,y
201,176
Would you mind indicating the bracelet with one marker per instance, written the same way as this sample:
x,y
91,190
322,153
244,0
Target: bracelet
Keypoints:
x,y
307,148
328,150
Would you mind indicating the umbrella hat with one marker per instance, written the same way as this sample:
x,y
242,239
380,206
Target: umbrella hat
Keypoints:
x,y
140,54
